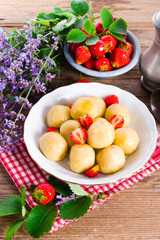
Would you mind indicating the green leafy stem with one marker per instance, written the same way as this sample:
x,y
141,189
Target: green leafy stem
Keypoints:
x,y
40,219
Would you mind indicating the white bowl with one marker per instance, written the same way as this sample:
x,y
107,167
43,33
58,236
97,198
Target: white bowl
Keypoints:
x,y
141,120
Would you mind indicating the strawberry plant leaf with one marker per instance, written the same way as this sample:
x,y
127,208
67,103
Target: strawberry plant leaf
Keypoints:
x,y
80,7
76,35
41,219
13,228
118,26
118,36
90,11
77,189
60,26
60,186
75,208
79,22
11,205
106,18
89,27
92,40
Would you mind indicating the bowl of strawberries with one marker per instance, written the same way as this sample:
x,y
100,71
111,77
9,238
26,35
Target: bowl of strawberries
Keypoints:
x,y
102,49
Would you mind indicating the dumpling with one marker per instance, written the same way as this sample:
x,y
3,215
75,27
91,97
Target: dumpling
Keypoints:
x,y
127,139
84,105
110,159
119,110
101,105
100,134
53,146
81,158
57,115
68,127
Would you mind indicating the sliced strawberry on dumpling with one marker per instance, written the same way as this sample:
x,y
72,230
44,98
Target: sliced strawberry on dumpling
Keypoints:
x,y
85,121
79,136
117,121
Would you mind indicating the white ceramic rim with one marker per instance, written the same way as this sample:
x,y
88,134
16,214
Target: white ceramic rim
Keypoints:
x,y
109,178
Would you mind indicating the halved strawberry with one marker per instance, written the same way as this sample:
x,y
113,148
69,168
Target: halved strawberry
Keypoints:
x,y
111,99
85,120
52,129
79,136
92,172
117,121
69,105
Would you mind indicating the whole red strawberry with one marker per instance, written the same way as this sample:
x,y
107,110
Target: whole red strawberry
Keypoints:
x,y
82,54
126,46
99,49
110,42
73,46
82,80
85,121
92,172
52,129
90,64
111,99
119,58
103,64
99,27
43,193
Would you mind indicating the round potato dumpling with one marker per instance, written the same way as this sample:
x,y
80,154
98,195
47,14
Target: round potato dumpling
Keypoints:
x,y
110,159
101,105
127,139
68,127
100,134
119,110
57,115
81,157
84,105
53,146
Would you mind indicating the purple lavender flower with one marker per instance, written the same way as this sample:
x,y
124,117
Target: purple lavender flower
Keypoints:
x,y
62,199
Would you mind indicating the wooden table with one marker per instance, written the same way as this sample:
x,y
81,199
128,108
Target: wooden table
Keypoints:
x,y
133,214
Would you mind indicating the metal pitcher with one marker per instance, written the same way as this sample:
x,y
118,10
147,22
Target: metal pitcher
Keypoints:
x,y
150,60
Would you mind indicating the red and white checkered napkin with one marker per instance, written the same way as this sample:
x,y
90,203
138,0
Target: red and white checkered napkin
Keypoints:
x,y
24,171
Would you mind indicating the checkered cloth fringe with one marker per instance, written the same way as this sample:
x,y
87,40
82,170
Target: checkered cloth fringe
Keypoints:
x,y
24,172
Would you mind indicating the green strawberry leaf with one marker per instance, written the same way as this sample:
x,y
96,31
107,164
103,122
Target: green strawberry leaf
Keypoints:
x,y
11,205
89,27
106,18
13,228
90,11
79,22
59,11
118,26
41,219
23,198
80,7
60,26
99,195
43,22
76,35
44,16
60,186
92,40
77,189
118,36
75,208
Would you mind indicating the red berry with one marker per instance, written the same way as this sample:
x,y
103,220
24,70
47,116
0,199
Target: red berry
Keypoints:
x,y
126,46
116,121
82,54
115,18
44,193
82,80
99,49
73,46
52,129
79,136
119,58
124,36
90,64
69,105
92,172
99,27
110,42
103,64
85,121
111,99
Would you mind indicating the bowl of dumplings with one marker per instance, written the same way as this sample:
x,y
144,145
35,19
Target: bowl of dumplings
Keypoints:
x,y
53,124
